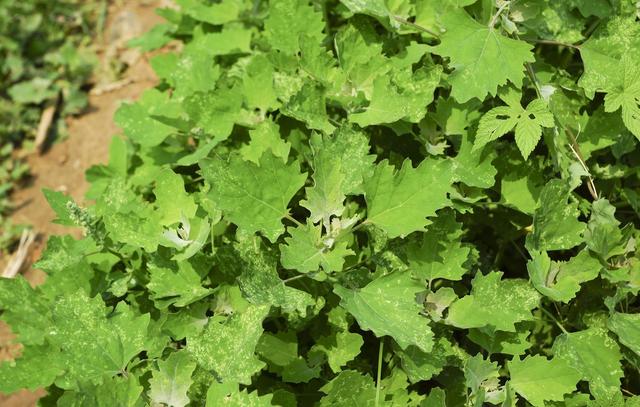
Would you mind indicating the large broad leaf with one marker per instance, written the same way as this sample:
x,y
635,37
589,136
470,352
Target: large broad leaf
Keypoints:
x,y
494,302
287,20
81,328
227,345
602,53
255,197
399,202
440,254
482,59
626,95
627,327
595,355
387,306
170,383
538,379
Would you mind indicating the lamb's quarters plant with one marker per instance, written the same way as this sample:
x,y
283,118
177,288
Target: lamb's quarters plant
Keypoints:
x,y
407,203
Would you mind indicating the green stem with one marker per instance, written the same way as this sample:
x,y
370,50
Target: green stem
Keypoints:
x,y
416,26
379,374
550,315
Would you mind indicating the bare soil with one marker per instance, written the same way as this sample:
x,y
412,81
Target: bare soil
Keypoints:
x,y
62,167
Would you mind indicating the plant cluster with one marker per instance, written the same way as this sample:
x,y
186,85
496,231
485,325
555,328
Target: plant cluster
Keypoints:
x,y
45,60
364,202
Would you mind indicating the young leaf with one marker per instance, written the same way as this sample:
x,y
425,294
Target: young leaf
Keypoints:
x,y
559,280
170,383
341,163
306,251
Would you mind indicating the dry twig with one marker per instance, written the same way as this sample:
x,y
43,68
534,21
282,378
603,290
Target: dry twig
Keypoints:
x,y
17,261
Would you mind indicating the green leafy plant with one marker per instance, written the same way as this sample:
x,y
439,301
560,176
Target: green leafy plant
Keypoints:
x,y
411,203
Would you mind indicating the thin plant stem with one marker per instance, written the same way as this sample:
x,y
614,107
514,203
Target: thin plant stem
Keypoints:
x,y
550,315
416,26
299,276
559,43
379,373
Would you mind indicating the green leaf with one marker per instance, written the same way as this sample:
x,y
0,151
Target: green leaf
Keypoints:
x,y
419,365
232,39
136,120
340,164
265,137
479,373
390,103
172,201
528,123
59,202
308,105
306,250
341,391
561,280
509,343
603,235
555,223
387,306
259,91
473,167
81,326
227,345
261,285
215,112
340,348
247,195
179,287
538,379
116,391
215,14
170,383
37,367
595,355
627,327
482,58
494,302
626,95
228,394
399,202
440,253
287,20
603,52
28,315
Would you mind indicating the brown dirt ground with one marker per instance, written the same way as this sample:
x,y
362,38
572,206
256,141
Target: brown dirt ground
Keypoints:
x,y
62,167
